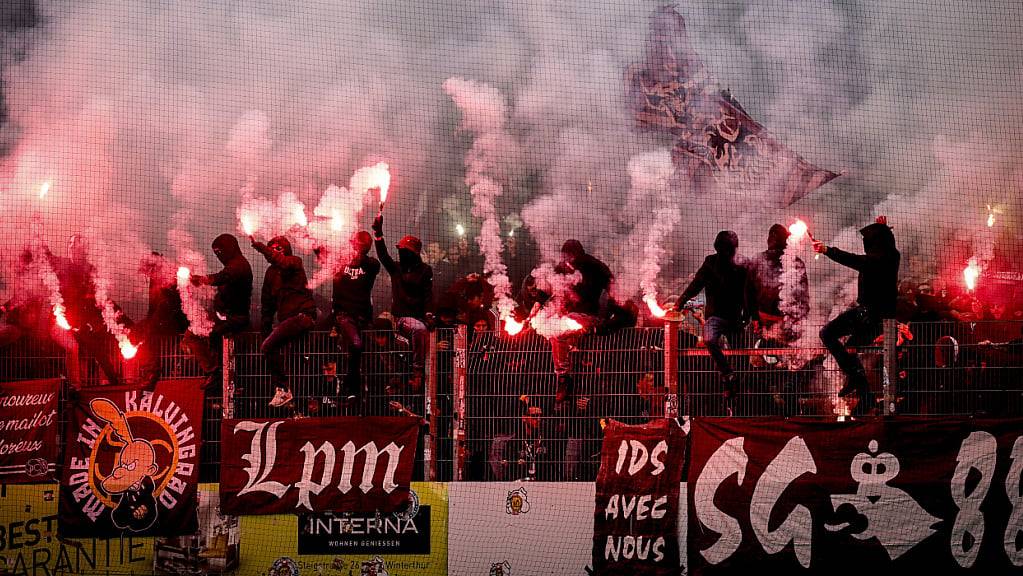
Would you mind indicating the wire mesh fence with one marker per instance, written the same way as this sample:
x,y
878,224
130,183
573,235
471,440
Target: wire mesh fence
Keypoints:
x,y
514,425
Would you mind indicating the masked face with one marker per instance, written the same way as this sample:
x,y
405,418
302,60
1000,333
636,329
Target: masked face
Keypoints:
x,y
407,257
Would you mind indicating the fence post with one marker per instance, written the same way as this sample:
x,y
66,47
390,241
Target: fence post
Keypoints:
x,y
72,363
891,364
430,409
671,369
461,374
227,375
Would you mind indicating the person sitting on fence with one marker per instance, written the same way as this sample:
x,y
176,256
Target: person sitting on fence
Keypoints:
x,y
164,317
765,274
723,276
231,305
285,294
582,302
411,294
352,305
877,292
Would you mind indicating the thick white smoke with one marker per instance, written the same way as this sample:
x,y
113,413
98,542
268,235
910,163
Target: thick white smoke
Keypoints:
x,y
484,112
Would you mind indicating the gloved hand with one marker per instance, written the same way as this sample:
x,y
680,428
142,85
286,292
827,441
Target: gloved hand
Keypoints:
x,y
378,226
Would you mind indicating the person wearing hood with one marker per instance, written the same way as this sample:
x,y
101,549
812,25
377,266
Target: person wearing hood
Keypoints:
x,y
285,295
411,294
877,295
723,278
583,302
352,305
764,283
164,317
231,304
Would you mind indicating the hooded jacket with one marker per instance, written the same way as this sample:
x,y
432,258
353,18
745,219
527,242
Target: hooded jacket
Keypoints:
x,y
596,278
878,282
411,282
234,282
285,290
763,281
724,279
353,288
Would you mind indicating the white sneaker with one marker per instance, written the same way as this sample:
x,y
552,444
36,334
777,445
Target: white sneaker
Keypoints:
x,y
281,397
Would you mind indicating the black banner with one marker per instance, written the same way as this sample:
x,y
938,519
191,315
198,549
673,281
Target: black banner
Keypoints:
x,y
898,496
132,461
28,431
635,521
345,534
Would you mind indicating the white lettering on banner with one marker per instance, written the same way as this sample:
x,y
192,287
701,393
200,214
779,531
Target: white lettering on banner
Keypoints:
x,y
1014,490
729,459
641,456
306,485
258,471
348,451
261,463
641,505
630,547
793,461
978,452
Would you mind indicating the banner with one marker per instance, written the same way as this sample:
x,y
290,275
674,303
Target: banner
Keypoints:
x,y
347,464
898,496
636,514
131,461
343,544
715,139
28,431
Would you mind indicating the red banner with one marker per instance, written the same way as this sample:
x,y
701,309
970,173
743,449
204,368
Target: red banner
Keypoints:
x,y
635,522
346,464
898,496
131,465
28,431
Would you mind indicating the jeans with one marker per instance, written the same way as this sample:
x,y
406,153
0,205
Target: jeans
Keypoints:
x,y
283,334
561,346
861,326
418,336
714,330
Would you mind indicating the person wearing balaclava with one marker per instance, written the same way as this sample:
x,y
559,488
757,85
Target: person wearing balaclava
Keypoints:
x,y
231,304
763,284
723,278
582,302
285,295
352,305
877,294
411,295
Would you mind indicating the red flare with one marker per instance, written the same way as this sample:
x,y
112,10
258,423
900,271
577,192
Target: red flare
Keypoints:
x,y
970,274
61,319
128,350
513,326
655,308
183,275
798,229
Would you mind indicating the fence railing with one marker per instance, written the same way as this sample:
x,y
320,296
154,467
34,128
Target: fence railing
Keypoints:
x,y
488,400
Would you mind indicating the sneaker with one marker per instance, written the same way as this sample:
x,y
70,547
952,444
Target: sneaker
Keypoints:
x,y
281,398
564,391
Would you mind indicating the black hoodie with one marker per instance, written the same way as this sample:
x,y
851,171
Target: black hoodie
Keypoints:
x,y
411,282
878,283
234,282
763,282
285,289
596,278
723,278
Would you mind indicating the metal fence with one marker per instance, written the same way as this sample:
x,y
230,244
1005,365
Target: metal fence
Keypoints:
x,y
488,400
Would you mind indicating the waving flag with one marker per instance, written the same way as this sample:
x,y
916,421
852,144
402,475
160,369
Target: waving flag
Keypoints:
x,y
716,139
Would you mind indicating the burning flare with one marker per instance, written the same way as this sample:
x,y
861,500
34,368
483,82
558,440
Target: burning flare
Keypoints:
x,y
45,188
183,275
513,326
128,350
798,229
971,273
655,308
248,226
58,315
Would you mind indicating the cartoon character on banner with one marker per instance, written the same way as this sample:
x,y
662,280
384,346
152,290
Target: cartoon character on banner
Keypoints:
x,y
516,503
886,513
131,482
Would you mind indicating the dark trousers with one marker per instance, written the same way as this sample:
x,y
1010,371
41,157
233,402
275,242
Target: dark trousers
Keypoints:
x,y
861,326
208,350
350,331
272,348
714,331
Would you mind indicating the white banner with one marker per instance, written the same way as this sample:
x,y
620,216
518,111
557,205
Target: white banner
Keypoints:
x,y
525,528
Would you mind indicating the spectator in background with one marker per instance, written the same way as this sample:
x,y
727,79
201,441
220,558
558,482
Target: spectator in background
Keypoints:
x,y
164,317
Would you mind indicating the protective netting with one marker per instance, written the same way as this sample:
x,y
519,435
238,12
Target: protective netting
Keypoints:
x,y
132,135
